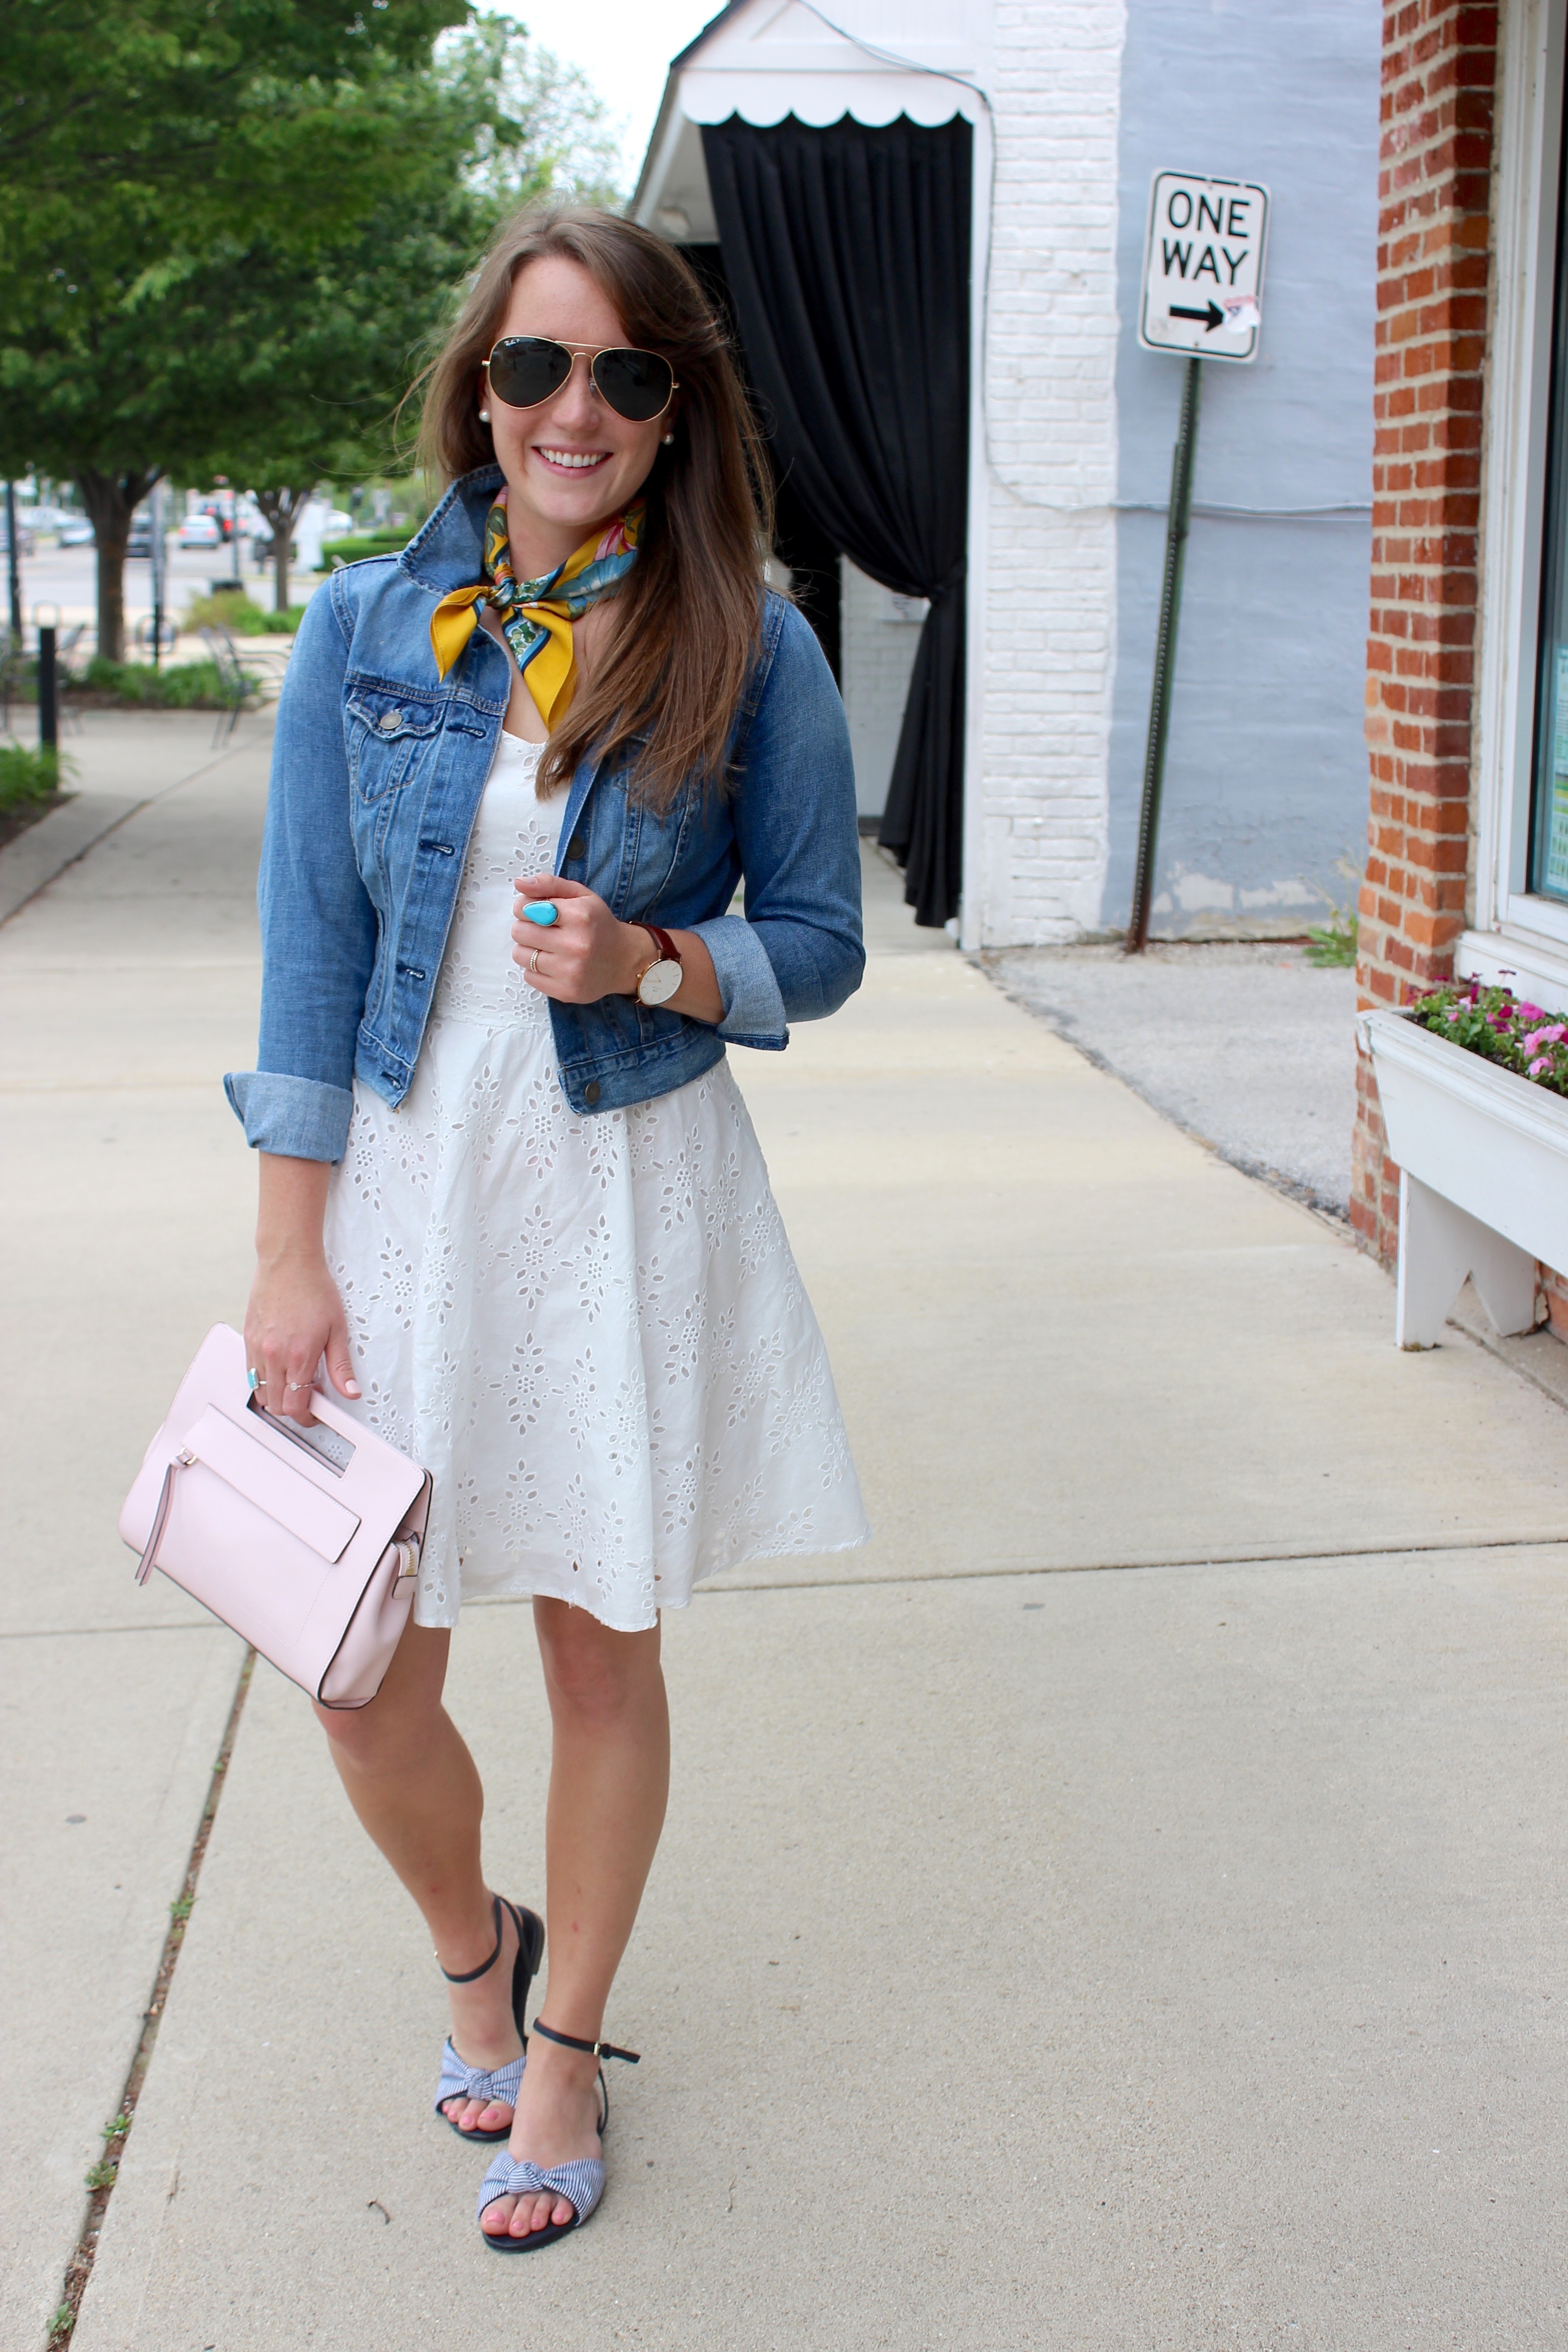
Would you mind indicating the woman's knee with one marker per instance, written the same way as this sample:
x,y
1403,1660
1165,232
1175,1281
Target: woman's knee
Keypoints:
x,y
590,1667
400,1717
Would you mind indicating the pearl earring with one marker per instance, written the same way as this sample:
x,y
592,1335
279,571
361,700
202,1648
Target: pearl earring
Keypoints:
x,y
484,416
667,439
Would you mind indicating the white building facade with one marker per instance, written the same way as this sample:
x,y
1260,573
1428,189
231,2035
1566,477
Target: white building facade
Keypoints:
x,y
1073,104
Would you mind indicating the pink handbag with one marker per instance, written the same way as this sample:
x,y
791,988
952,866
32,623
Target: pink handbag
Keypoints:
x,y
306,1541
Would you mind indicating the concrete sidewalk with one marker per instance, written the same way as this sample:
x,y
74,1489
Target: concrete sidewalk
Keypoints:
x,y
1177,1969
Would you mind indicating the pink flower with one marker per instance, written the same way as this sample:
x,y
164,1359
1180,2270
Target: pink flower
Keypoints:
x,y
1453,1011
1541,1062
1531,1011
1552,1036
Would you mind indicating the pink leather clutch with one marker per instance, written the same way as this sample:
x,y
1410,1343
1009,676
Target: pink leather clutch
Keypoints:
x,y
306,1541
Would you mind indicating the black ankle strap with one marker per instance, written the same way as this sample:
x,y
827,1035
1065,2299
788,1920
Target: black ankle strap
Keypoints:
x,y
598,2048
484,1969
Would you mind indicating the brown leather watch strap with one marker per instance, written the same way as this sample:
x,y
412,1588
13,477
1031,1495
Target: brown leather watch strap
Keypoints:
x,y
667,947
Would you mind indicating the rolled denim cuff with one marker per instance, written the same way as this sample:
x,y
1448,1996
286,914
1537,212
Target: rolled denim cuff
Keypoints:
x,y
296,1119
754,1005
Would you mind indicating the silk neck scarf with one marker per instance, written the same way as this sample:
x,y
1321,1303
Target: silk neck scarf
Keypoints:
x,y
536,616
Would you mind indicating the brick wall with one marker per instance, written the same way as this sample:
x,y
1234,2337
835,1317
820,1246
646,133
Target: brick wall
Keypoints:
x,y
1051,567
1439,70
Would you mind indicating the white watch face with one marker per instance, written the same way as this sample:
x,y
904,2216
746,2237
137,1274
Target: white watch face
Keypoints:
x,y
658,982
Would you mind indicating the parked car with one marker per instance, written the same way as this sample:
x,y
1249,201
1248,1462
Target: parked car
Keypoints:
x,y
200,531
45,520
76,531
140,540
24,537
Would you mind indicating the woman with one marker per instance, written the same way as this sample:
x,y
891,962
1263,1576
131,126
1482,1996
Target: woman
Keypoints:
x,y
508,1191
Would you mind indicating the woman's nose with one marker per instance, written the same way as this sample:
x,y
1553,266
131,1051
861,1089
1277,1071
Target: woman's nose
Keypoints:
x,y
576,403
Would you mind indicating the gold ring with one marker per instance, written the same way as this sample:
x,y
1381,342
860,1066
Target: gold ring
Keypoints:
x,y
534,961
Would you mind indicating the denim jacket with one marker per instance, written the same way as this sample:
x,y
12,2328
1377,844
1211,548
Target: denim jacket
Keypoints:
x,y
378,769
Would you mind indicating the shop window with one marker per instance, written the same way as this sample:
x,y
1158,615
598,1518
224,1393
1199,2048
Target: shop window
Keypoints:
x,y
1549,794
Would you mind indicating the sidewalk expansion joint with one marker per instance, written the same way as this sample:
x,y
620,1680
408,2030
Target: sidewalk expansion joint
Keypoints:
x,y
101,2179
1283,1556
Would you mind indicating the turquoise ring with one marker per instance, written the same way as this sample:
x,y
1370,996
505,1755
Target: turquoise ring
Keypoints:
x,y
251,1381
541,910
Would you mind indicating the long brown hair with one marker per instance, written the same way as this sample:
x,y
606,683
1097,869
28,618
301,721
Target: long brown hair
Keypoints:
x,y
674,669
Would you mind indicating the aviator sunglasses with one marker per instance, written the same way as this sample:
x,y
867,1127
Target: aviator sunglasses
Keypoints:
x,y
524,370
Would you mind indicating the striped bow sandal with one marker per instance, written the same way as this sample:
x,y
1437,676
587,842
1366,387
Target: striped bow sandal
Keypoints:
x,y
499,2084
581,2182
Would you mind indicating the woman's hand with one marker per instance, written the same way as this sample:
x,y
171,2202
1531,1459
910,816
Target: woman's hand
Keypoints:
x,y
295,1316
586,953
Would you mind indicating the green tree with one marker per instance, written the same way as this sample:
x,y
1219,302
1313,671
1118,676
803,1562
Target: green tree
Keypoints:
x,y
306,361
224,223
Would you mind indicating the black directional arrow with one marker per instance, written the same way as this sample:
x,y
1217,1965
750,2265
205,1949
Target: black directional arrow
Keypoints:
x,y
1212,318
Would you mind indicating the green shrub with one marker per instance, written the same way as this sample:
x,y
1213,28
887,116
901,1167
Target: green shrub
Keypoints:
x,y
231,610
26,776
186,686
369,542
241,617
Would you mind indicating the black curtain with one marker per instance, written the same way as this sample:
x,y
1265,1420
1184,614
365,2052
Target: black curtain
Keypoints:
x,y
798,540
847,255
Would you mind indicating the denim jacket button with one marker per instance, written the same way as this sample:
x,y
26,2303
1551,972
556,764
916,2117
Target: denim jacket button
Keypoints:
x,y
577,847
389,718
591,1092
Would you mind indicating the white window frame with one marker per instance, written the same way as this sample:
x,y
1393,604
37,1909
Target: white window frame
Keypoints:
x,y
1515,929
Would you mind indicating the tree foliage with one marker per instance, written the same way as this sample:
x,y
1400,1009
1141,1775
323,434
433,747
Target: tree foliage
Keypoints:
x,y
225,229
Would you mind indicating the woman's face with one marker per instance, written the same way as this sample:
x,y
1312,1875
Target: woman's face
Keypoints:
x,y
571,462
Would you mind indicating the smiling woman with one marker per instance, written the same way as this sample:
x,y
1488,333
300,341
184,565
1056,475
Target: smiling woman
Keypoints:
x,y
607,295
509,1190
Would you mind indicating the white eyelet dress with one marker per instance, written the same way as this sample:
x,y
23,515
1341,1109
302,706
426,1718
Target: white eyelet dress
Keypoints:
x,y
590,1330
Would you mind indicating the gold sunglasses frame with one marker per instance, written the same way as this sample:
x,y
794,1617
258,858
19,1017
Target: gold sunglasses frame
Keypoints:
x,y
576,351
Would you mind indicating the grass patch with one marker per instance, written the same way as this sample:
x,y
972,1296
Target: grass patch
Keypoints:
x,y
1334,942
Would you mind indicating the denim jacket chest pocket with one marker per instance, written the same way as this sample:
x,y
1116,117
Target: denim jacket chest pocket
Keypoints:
x,y
644,845
389,732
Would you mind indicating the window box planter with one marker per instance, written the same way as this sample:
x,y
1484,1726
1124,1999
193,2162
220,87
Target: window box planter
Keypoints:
x,y
1483,1185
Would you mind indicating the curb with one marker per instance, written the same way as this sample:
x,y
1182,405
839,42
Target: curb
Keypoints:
x,y
32,862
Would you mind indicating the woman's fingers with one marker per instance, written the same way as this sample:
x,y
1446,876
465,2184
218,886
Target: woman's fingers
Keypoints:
x,y
550,886
339,1359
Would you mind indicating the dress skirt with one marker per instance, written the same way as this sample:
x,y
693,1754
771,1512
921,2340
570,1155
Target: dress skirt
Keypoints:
x,y
590,1330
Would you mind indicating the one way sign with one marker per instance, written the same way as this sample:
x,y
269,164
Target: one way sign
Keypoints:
x,y
1203,266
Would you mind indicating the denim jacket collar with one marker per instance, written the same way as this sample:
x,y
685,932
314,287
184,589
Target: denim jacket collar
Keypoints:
x,y
446,552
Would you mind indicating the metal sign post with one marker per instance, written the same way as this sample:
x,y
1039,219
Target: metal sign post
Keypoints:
x,y
14,567
1202,285
158,546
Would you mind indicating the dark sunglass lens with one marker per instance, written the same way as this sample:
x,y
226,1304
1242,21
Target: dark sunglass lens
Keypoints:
x,y
525,370
637,384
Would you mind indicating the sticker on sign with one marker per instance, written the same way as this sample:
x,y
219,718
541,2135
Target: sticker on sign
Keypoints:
x,y
1203,266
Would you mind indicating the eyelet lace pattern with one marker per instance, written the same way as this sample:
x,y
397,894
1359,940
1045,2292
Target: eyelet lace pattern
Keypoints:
x,y
591,1330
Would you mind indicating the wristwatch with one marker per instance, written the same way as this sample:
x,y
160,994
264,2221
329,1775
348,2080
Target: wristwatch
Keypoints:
x,y
658,980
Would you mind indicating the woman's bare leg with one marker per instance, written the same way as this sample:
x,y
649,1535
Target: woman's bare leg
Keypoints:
x,y
413,1783
609,1778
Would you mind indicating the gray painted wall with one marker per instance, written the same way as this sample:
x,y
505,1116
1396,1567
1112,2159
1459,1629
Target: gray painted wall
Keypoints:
x,y
1265,780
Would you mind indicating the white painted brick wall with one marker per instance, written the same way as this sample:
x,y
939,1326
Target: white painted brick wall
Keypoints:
x,y
878,653
1050,563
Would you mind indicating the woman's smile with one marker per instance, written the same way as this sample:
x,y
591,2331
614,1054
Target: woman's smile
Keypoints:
x,y
571,461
